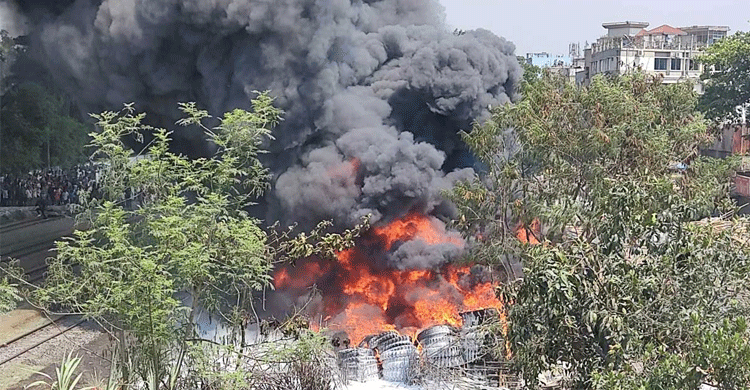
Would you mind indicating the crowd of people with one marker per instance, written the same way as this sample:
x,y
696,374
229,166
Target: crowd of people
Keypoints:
x,y
50,186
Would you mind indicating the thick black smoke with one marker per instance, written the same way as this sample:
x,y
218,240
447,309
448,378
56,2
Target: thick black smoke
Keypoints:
x,y
380,87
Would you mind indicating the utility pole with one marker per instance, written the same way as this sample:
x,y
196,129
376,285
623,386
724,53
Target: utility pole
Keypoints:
x,y
2,83
48,137
4,53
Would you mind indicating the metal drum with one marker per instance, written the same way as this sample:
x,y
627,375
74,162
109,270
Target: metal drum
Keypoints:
x,y
472,341
376,341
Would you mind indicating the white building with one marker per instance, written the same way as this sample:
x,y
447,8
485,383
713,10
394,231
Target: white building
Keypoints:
x,y
566,66
664,50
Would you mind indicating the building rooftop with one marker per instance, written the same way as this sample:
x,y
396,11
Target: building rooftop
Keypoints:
x,y
664,29
627,23
699,28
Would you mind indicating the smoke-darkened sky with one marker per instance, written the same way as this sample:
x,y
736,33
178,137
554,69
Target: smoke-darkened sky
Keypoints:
x,y
550,25
375,92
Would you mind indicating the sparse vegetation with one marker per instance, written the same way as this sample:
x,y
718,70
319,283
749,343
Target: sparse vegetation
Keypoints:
x,y
65,375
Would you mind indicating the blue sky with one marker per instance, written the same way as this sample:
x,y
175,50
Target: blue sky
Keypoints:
x,y
536,25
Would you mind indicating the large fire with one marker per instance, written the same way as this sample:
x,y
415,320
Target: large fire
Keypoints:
x,y
362,294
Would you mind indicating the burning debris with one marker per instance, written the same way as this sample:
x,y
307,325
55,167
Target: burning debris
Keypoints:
x,y
440,346
397,355
375,94
365,292
413,320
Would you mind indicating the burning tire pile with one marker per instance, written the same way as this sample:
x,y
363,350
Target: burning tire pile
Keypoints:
x,y
440,346
439,353
397,355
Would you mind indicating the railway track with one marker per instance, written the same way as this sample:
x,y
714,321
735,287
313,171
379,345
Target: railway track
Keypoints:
x,y
43,245
32,343
26,223
24,248
32,275
25,329
30,241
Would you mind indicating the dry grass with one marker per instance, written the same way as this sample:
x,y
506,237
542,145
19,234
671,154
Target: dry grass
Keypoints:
x,y
299,375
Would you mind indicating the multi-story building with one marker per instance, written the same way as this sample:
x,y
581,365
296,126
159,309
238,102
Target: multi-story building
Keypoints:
x,y
546,60
665,50
566,66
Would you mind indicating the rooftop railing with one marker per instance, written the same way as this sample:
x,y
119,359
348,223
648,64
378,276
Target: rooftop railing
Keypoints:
x,y
682,43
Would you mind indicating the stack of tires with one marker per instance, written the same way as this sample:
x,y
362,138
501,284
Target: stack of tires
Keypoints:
x,y
441,347
472,341
397,354
358,364
473,335
477,340
478,317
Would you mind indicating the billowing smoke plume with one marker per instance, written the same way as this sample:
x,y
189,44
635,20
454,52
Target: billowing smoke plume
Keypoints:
x,y
374,91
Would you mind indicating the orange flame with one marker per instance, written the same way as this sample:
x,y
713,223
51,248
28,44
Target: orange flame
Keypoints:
x,y
367,300
414,226
344,172
303,276
360,320
529,235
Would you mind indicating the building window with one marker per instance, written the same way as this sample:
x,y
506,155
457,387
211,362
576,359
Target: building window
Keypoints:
x,y
694,65
660,63
676,64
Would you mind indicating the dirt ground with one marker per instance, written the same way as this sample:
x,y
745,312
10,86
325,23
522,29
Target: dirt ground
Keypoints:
x,y
86,341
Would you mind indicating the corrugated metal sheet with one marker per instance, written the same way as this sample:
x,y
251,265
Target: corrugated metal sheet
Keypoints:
x,y
743,185
739,141
734,139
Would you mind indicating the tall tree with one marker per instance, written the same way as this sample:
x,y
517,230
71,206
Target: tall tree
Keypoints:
x,y
607,180
38,132
8,52
727,76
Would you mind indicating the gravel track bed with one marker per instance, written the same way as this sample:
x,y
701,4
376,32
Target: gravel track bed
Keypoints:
x,y
21,370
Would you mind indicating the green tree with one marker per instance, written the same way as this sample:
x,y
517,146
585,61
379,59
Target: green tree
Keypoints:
x,y
726,75
38,132
621,272
531,72
190,235
8,53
